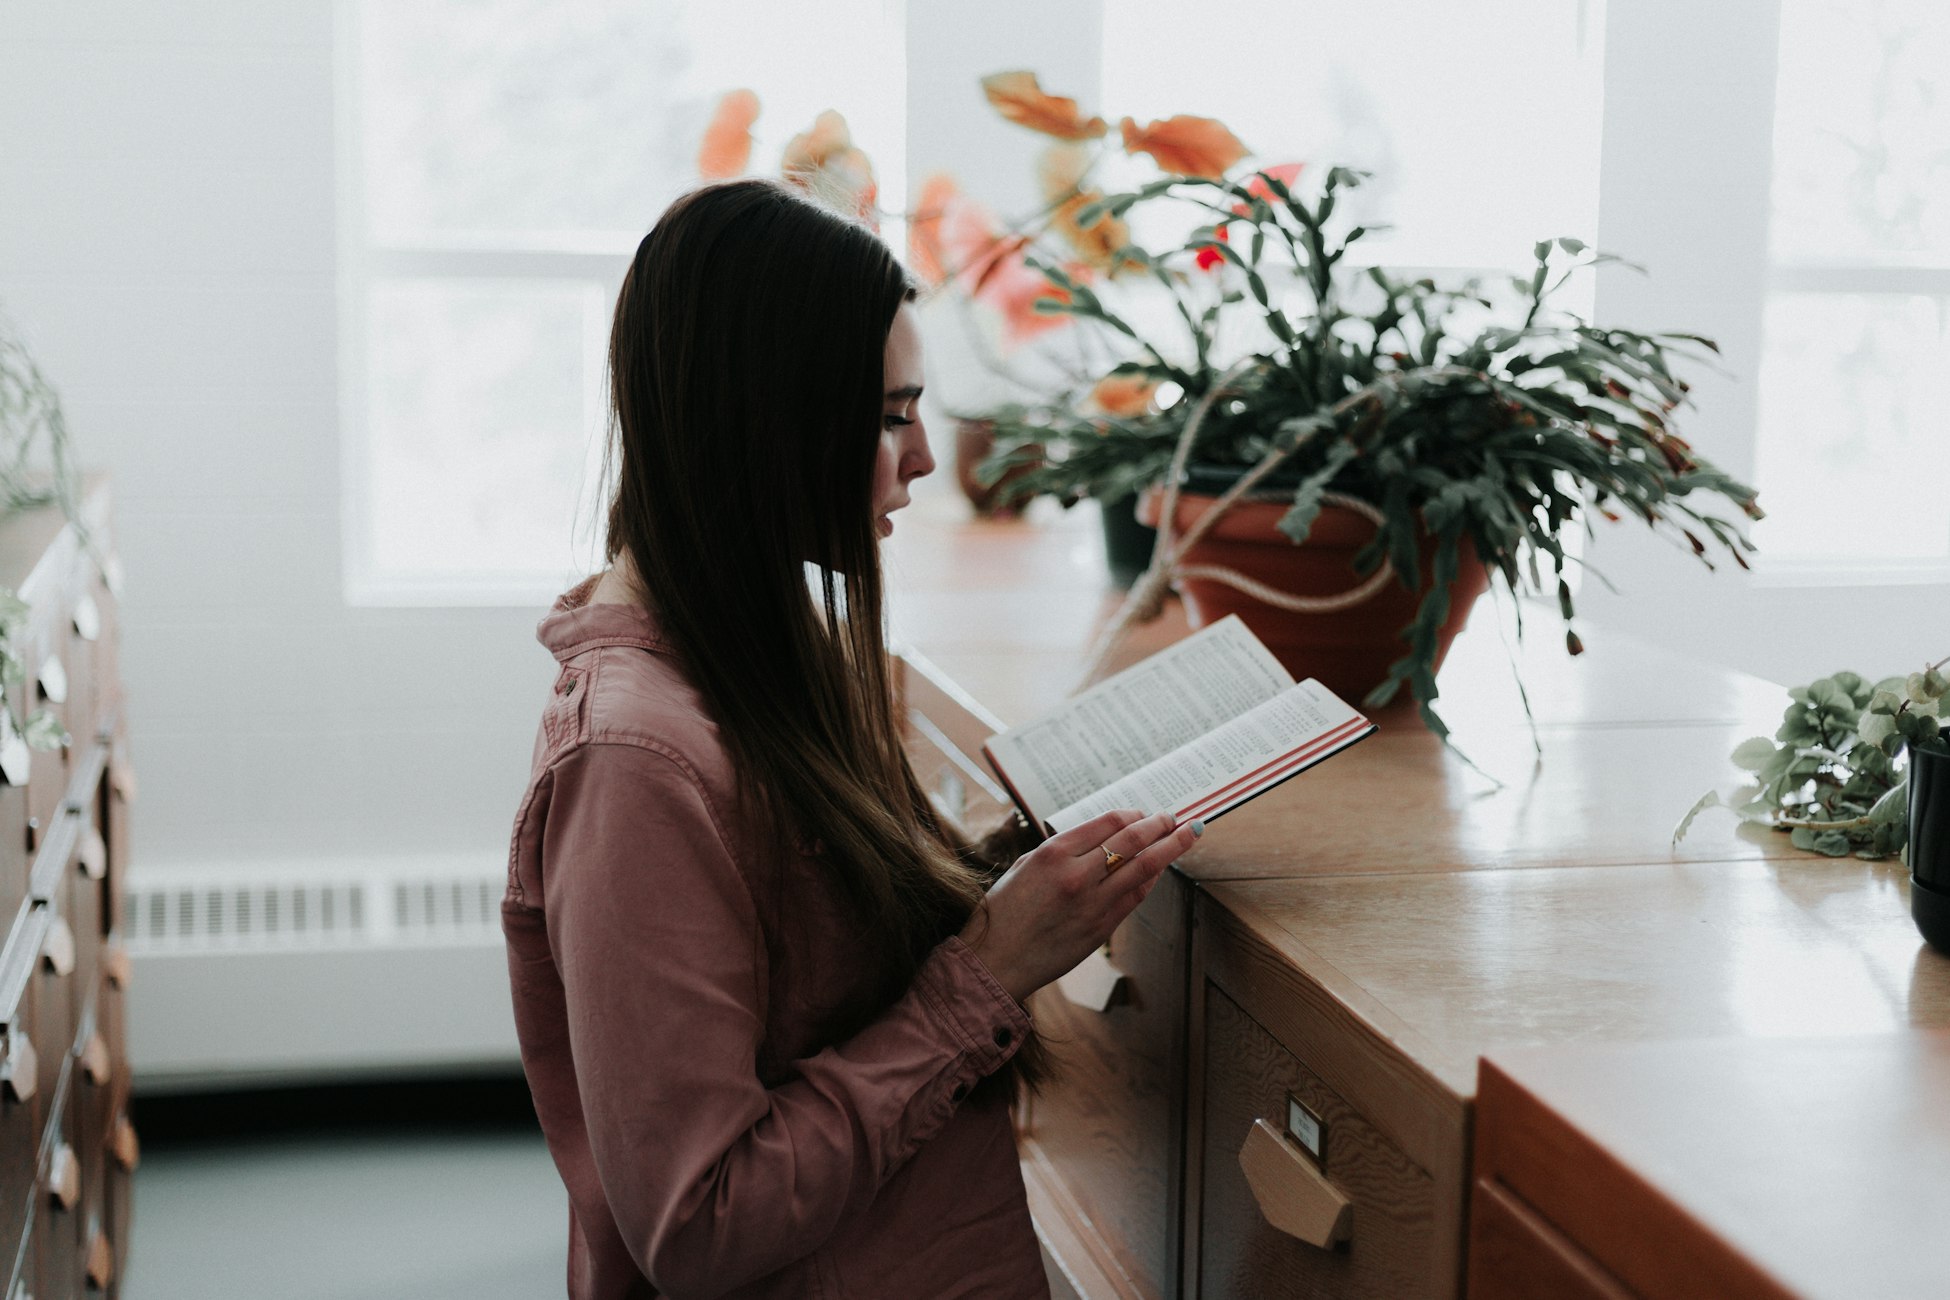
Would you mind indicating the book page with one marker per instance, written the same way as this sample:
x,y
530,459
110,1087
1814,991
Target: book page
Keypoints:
x,y
1254,751
1139,715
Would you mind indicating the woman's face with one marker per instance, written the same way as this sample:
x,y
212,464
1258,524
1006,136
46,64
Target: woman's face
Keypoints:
x,y
903,454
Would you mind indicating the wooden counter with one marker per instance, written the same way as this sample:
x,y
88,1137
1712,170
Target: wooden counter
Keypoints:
x,y
1351,943
1738,1168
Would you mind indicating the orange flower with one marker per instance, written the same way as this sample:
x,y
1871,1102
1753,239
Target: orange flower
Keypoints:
x,y
1014,288
1285,174
1186,146
1099,243
727,144
1017,97
825,163
989,267
1060,170
1123,396
924,251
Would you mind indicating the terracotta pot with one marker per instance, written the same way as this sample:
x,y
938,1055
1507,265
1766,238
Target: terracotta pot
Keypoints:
x,y
1348,650
974,439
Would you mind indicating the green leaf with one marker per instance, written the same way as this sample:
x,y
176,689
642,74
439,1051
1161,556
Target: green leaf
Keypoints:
x,y
1711,799
1885,702
1753,755
44,731
1829,694
1876,727
1834,843
1893,806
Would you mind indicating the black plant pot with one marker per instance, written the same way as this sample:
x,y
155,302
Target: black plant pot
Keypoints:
x,y
1929,843
1127,543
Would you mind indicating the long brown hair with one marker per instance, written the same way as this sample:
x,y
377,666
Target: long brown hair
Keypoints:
x,y
746,374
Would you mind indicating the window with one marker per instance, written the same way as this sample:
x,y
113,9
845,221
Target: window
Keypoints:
x,y
1857,317
500,161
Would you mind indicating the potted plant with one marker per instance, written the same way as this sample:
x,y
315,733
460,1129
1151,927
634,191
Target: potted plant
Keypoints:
x,y
1392,425
1858,767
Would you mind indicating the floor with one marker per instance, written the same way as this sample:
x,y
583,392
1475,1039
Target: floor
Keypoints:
x,y
429,1191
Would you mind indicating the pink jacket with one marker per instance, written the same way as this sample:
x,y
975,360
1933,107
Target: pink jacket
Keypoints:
x,y
669,989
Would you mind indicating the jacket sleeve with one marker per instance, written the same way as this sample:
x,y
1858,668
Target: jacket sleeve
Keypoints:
x,y
712,1179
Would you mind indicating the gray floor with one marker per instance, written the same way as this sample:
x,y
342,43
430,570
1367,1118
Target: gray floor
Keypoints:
x,y
437,1217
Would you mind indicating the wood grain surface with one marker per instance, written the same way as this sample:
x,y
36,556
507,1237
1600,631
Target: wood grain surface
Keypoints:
x,y
1466,963
1812,1167
1515,1255
1112,1119
1389,1253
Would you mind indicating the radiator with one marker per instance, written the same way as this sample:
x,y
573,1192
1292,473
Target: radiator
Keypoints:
x,y
316,971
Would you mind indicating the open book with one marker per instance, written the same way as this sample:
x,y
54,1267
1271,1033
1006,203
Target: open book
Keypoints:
x,y
1197,729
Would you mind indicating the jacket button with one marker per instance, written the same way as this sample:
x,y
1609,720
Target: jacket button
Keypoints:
x,y
567,686
961,1090
1004,1036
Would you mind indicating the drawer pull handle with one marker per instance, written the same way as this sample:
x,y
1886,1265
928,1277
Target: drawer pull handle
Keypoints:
x,y
1292,1193
121,777
16,758
58,947
53,680
128,1151
94,1060
87,618
1094,982
116,964
101,1262
22,1072
64,1177
94,854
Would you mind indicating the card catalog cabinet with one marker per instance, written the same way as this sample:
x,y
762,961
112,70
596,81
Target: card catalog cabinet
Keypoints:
x,y
67,1148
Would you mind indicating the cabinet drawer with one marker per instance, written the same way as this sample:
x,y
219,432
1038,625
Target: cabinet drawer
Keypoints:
x,y
1389,1251
1515,1255
16,862
22,1102
53,986
1107,1129
58,1216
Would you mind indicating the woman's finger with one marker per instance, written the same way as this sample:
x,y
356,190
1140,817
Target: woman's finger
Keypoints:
x,y
1086,837
1140,835
1136,877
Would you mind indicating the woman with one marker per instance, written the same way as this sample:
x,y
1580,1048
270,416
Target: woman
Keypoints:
x,y
770,1016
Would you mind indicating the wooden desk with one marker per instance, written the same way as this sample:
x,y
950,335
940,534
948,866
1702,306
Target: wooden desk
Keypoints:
x,y
1358,937
1735,1168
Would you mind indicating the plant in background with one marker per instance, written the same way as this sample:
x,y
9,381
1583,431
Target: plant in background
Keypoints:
x,y
1831,777
823,160
1502,434
36,469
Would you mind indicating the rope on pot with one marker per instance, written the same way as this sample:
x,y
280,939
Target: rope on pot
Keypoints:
x,y
1146,599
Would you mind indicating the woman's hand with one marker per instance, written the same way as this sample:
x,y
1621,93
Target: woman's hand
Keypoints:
x,y
1058,903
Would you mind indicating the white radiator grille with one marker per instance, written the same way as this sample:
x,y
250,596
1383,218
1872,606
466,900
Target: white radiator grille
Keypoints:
x,y
229,911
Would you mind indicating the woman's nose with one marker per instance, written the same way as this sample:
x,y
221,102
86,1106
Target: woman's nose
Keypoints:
x,y
920,460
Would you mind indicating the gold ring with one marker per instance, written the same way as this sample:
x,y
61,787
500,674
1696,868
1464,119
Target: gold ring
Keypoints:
x,y
1111,859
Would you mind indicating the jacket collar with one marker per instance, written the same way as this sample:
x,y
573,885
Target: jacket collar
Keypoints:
x,y
573,625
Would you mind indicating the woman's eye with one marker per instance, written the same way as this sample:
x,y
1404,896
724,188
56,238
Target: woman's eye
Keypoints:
x,y
895,421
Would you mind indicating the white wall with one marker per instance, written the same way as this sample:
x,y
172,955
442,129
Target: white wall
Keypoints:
x,y
167,244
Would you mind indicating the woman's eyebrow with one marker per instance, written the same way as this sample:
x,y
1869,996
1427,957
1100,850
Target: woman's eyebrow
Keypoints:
x,y
903,394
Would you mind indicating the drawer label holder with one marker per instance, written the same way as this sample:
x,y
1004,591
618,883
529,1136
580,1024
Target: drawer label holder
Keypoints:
x,y
1308,1130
